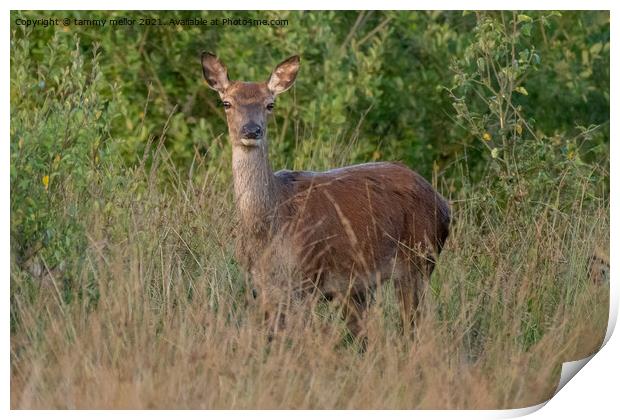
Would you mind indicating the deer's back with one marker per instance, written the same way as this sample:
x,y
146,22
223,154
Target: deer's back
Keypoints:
x,y
356,218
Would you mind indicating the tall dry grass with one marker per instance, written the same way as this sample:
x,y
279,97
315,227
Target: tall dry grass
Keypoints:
x,y
162,317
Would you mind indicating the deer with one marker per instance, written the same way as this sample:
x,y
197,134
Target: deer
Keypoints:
x,y
340,233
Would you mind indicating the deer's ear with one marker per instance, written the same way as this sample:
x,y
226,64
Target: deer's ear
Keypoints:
x,y
284,75
215,72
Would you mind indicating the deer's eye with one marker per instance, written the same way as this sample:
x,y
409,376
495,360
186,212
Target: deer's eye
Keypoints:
x,y
270,106
226,104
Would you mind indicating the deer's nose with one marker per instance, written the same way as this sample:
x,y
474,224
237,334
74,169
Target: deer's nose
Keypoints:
x,y
252,131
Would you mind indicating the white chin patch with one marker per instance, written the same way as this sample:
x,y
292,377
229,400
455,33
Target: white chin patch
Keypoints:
x,y
250,142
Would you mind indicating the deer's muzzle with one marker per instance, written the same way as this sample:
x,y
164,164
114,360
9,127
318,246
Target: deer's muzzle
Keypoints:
x,y
252,131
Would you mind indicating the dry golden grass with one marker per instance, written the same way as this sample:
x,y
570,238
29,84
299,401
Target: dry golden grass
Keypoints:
x,y
160,316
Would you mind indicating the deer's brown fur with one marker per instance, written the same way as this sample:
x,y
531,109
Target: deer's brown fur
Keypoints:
x,y
337,233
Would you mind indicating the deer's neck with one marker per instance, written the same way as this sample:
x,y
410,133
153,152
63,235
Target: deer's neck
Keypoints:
x,y
256,188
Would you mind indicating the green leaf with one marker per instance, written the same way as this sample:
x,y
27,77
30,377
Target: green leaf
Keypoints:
x,y
523,18
521,90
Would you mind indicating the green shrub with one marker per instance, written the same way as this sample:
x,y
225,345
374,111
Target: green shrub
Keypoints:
x,y
61,151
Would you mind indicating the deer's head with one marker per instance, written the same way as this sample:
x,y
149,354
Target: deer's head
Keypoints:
x,y
248,104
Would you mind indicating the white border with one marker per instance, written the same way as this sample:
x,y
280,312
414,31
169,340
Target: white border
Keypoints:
x,y
592,393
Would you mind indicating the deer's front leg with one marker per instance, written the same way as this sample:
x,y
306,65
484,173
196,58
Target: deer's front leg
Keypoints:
x,y
273,302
